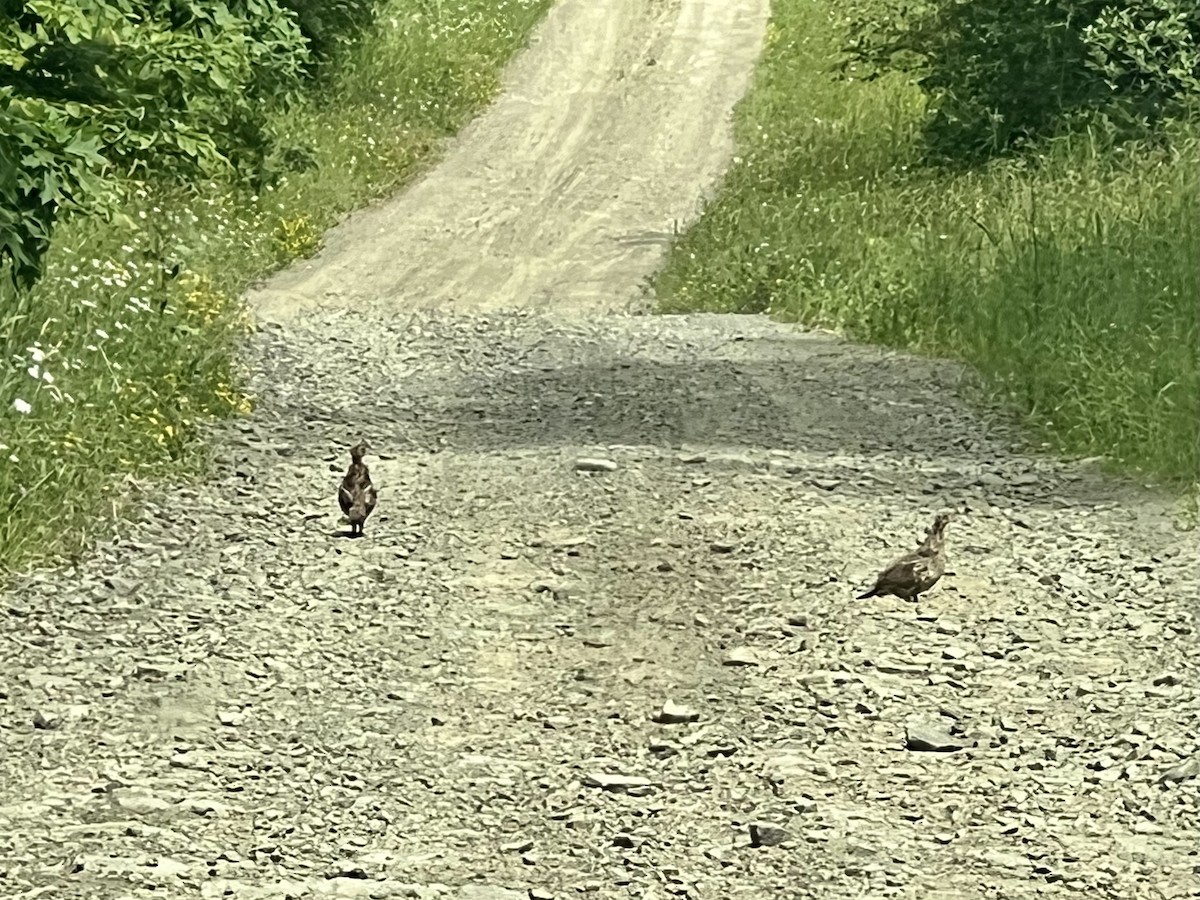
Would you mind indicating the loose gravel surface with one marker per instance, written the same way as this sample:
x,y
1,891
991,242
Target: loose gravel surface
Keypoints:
x,y
600,637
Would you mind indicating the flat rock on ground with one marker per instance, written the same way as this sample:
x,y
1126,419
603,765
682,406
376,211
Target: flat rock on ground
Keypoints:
x,y
229,698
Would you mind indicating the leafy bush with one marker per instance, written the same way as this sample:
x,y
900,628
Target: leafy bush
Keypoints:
x,y
332,26
1000,74
93,90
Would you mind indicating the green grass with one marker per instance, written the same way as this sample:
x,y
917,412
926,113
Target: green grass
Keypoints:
x,y
1069,279
112,368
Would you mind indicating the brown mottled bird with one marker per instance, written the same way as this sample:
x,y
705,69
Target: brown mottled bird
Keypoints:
x,y
914,573
356,495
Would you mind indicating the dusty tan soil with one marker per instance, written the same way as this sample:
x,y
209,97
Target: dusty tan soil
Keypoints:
x,y
563,194
231,699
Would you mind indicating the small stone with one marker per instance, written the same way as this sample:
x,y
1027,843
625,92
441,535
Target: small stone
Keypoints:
x,y
522,845
675,714
1189,768
357,873
594,464
46,723
931,739
473,892
611,782
764,835
540,894
722,546
204,807
122,587
898,668
166,867
230,719
740,656
140,804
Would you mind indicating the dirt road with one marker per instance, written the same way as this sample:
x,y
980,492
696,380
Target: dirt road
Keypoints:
x,y
565,193
231,700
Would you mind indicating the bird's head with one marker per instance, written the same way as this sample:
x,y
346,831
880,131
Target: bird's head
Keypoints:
x,y
940,521
359,450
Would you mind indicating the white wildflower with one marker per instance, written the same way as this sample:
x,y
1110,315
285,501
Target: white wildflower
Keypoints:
x,y
34,372
102,334
36,354
22,406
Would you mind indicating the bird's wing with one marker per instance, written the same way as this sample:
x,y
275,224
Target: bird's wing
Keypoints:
x,y
920,569
345,498
902,573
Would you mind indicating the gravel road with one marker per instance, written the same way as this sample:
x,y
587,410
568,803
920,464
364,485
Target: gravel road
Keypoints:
x,y
231,699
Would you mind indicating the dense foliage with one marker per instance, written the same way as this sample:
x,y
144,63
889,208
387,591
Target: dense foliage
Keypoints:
x,y
331,27
1000,74
95,91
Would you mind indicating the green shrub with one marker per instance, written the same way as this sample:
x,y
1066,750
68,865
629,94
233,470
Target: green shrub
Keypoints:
x,y
999,75
93,91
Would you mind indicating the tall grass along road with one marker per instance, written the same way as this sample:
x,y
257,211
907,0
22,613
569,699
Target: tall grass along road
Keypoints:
x,y
1065,270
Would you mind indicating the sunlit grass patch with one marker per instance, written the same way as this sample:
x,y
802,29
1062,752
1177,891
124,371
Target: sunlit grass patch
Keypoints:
x,y
114,362
1068,278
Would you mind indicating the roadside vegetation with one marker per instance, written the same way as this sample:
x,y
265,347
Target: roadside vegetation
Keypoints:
x,y
155,158
1013,185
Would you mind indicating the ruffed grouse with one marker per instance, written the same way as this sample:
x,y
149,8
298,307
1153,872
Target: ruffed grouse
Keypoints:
x,y
914,573
357,495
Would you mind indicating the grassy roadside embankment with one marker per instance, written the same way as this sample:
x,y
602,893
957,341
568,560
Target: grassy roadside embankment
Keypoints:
x,y
1070,279
111,367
